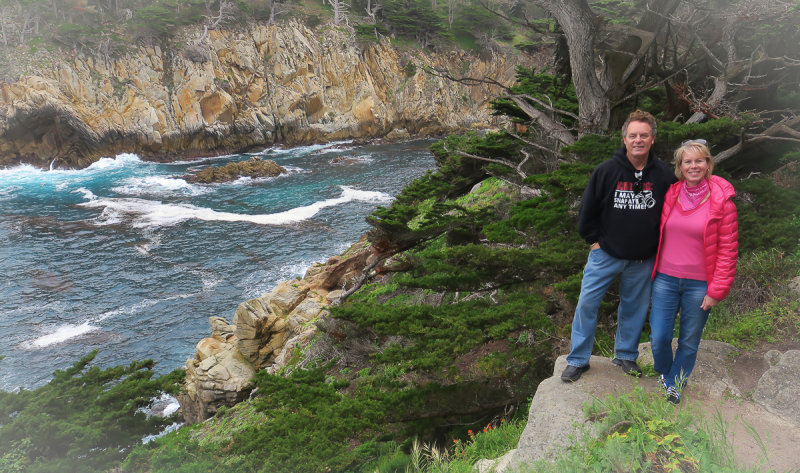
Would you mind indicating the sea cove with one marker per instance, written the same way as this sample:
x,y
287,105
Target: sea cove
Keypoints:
x,y
128,258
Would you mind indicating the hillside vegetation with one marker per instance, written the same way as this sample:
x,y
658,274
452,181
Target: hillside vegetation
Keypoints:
x,y
452,333
480,286
32,30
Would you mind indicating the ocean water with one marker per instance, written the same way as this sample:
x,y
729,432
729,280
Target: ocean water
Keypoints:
x,y
128,258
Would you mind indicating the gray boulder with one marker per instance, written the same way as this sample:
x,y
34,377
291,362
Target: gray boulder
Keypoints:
x,y
779,388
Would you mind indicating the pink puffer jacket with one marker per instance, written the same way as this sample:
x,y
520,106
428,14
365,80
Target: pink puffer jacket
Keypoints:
x,y
720,237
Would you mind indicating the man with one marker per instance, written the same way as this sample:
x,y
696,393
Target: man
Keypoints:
x,y
619,218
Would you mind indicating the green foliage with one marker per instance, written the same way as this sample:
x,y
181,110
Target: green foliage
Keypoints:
x,y
547,88
153,21
495,439
413,19
370,33
766,215
760,307
472,19
420,212
299,423
83,419
442,333
304,410
594,149
720,134
642,432
473,267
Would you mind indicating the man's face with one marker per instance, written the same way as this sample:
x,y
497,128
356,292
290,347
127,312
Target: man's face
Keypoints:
x,y
638,140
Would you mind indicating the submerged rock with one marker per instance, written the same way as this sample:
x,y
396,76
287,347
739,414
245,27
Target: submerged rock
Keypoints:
x,y
254,167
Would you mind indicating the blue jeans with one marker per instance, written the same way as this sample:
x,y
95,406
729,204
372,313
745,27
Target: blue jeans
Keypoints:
x,y
671,294
634,300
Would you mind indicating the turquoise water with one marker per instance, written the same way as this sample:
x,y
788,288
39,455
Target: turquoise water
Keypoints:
x,y
128,258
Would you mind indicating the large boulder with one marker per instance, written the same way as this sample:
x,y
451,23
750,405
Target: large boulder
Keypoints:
x,y
217,375
253,167
556,419
779,387
265,334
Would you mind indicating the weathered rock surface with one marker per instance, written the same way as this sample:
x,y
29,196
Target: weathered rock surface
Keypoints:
x,y
779,388
262,85
264,335
556,417
219,375
253,167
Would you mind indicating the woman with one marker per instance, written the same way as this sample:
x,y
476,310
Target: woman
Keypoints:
x,y
695,264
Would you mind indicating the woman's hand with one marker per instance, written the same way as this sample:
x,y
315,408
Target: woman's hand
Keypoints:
x,y
708,302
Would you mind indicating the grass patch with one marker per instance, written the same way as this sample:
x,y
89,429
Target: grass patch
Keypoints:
x,y
642,432
490,442
760,307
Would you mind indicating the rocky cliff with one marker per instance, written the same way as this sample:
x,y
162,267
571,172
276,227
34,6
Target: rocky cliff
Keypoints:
x,y
264,334
255,86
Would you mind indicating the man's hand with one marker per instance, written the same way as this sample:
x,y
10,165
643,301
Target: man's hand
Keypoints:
x,y
594,246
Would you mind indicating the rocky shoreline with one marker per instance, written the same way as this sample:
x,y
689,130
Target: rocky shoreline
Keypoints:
x,y
265,333
263,85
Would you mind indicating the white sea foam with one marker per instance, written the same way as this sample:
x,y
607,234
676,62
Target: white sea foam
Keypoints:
x,y
294,170
170,428
87,194
158,185
162,406
20,170
62,334
69,331
135,308
153,241
203,159
261,282
302,150
148,213
27,174
120,161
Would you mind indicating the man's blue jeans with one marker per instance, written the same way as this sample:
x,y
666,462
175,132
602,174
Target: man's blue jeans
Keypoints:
x,y
671,294
634,300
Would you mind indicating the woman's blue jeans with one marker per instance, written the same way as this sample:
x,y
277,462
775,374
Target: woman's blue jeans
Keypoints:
x,y
634,300
670,295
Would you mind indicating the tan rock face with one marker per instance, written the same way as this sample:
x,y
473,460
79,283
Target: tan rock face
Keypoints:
x,y
266,333
264,84
217,375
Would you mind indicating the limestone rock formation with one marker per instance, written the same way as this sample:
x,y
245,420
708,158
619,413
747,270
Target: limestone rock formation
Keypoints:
x,y
263,84
218,373
264,334
253,167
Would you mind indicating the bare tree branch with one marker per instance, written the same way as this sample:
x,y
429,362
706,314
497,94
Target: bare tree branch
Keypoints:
x,y
772,133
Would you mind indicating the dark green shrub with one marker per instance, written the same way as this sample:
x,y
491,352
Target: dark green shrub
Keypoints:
x,y
85,418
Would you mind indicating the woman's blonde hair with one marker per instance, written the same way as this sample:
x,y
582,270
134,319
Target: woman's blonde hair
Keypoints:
x,y
698,147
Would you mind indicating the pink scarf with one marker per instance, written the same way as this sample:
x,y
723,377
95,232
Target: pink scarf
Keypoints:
x,y
691,197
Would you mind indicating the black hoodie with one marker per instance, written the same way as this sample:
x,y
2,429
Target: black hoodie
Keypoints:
x,y
624,223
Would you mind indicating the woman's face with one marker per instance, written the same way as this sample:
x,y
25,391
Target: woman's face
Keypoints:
x,y
694,167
